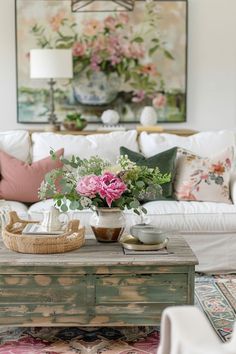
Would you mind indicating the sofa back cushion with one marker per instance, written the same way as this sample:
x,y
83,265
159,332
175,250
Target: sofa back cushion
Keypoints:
x,y
165,161
20,181
203,144
16,143
106,146
202,178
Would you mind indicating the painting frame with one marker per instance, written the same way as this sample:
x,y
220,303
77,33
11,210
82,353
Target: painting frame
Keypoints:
x,y
99,109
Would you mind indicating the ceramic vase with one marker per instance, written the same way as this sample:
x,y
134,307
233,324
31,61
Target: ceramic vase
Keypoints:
x,y
110,117
97,89
107,224
148,116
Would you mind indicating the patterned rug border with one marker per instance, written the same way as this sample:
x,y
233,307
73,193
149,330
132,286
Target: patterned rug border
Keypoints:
x,y
219,305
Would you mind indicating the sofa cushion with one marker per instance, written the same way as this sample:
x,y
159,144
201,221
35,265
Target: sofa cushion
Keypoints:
x,y
20,181
203,144
192,217
106,146
202,178
189,217
165,161
16,143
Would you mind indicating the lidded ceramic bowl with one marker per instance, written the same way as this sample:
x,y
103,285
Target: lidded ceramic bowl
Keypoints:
x,y
148,234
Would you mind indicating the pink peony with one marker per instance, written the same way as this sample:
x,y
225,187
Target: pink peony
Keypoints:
x,y
88,186
111,187
78,49
159,101
139,96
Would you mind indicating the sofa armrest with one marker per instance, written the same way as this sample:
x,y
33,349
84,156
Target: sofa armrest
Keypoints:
x,y
185,330
233,187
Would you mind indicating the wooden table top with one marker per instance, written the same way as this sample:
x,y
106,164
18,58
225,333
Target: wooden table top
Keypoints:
x,y
95,254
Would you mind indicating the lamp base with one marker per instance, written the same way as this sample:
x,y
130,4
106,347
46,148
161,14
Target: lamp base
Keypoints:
x,y
52,127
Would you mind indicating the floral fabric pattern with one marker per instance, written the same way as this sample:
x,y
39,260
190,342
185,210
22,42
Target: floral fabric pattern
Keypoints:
x,y
203,179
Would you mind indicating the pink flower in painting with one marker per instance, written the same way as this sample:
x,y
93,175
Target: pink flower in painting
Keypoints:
x,y
93,27
110,22
159,101
57,20
137,50
114,43
185,191
139,96
111,187
123,18
88,186
99,43
95,61
149,69
78,49
115,60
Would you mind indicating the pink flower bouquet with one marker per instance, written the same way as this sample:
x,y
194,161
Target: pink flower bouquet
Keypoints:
x,y
97,183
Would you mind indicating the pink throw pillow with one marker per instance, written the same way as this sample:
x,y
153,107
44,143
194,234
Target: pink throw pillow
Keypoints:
x,y
203,179
20,181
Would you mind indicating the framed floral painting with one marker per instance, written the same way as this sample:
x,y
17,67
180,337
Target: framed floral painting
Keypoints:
x,y
121,60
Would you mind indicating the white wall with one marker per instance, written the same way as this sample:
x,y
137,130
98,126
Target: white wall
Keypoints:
x,y
211,69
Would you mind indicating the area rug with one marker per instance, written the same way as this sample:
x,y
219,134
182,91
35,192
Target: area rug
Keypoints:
x,y
129,340
215,295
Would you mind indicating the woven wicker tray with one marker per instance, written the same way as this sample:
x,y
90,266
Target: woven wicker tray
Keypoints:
x,y
72,239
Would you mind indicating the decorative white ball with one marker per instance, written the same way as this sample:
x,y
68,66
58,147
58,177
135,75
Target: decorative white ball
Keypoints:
x,y
110,117
148,116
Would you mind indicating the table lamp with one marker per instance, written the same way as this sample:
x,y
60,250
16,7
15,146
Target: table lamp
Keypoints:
x,y
51,64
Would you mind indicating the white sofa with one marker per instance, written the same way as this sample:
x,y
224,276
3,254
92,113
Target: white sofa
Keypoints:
x,y
209,228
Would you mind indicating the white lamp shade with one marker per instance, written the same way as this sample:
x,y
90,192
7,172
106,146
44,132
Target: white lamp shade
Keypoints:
x,y
51,63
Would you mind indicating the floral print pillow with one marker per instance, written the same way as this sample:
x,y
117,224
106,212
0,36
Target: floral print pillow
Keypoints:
x,y
203,179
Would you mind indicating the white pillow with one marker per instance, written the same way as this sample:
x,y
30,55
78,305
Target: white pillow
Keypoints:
x,y
106,146
16,143
203,144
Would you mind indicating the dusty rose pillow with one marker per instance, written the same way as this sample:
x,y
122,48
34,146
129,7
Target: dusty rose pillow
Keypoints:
x,y
203,179
20,181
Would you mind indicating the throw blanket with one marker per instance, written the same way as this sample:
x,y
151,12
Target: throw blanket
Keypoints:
x,y
186,330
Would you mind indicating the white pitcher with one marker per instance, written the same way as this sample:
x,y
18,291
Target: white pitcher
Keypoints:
x,y
51,220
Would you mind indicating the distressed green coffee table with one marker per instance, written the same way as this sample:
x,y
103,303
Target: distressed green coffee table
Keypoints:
x,y
96,285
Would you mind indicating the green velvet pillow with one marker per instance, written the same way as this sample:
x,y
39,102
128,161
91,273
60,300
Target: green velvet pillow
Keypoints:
x,y
165,161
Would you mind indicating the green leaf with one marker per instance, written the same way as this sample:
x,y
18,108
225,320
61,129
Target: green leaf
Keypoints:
x,y
59,202
137,40
74,205
144,210
136,212
168,54
155,40
153,49
134,204
64,208
66,189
